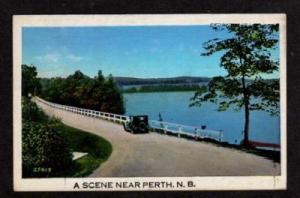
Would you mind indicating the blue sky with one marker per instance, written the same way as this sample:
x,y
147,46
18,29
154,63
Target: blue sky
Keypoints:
x,y
134,51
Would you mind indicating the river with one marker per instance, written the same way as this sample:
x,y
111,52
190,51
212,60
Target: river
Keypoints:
x,y
174,107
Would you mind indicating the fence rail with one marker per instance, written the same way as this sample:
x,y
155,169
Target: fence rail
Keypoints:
x,y
167,127
87,112
190,131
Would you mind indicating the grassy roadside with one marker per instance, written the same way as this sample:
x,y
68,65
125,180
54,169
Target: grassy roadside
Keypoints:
x,y
98,150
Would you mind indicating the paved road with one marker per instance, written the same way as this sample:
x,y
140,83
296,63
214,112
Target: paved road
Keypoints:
x,y
160,155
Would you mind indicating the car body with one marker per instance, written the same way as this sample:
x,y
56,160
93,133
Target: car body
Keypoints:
x,y
137,124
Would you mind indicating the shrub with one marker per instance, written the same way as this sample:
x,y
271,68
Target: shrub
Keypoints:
x,y
31,112
44,151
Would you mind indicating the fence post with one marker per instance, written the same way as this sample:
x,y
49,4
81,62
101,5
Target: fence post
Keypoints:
x,y
221,136
179,132
165,128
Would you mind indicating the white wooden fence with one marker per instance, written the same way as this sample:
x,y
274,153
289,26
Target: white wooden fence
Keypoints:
x,y
167,127
190,131
87,112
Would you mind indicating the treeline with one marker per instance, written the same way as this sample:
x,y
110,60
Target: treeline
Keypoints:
x,y
98,93
121,81
164,88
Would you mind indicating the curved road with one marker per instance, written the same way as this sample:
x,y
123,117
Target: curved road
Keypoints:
x,y
152,154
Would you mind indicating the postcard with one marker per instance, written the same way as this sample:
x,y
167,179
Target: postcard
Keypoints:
x,y
149,102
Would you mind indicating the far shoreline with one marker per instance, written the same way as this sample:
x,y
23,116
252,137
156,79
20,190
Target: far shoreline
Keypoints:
x,y
142,92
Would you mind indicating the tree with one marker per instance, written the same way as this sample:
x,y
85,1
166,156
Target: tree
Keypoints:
x,y
75,89
97,91
53,90
30,82
100,77
112,97
246,58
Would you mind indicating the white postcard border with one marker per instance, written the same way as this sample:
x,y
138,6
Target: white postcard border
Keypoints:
x,y
201,183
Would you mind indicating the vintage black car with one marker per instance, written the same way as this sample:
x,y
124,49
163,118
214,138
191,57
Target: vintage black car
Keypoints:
x,y
137,124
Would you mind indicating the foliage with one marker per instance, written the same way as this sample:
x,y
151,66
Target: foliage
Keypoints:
x,y
45,153
246,57
123,81
31,112
112,98
30,82
82,91
164,88
43,148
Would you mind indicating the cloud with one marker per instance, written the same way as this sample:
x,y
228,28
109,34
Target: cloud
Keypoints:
x,y
54,70
74,58
58,56
50,57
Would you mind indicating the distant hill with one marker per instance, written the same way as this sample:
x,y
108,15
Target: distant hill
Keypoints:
x,y
122,81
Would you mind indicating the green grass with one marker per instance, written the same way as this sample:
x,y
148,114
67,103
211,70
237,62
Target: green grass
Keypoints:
x,y
98,150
